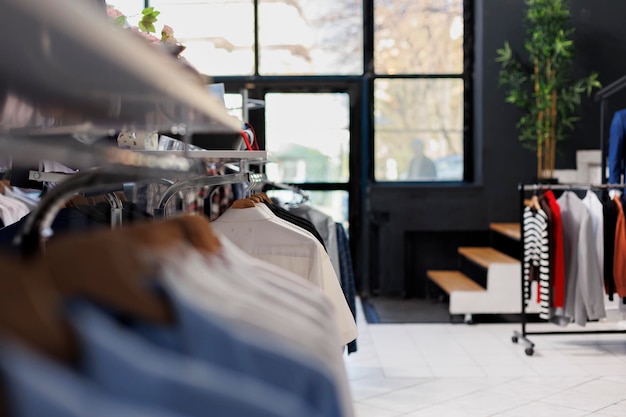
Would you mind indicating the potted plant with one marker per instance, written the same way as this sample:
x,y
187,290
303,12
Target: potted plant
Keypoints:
x,y
542,84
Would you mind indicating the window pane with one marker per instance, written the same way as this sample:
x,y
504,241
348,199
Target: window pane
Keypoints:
x,y
234,105
333,203
130,8
301,37
218,34
308,135
418,116
418,36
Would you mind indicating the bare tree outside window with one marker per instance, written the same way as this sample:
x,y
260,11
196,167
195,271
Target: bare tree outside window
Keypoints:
x,y
310,37
418,36
423,37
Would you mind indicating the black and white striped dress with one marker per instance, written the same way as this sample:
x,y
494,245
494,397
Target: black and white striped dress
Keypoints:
x,y
537,257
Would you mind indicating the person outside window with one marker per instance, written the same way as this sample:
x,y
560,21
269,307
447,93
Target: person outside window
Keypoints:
x,y
421,167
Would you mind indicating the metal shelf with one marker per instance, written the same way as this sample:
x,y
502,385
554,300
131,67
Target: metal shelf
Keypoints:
x,y
214,155
28,152
64,67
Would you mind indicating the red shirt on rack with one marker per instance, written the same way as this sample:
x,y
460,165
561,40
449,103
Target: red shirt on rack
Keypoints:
x,y
619,261
558,256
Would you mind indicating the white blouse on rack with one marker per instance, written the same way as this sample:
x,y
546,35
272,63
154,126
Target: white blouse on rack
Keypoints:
x,y
258,232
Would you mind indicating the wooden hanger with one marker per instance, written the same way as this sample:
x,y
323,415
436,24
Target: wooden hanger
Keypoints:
x,y
30,312
112,266
108,269
3,185
534,202
106,266
30,309
198,232
265,198
242,203
256,198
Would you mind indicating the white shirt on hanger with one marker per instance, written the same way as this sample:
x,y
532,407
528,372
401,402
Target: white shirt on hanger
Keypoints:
x,y
258,232
593,204
12,210
20,195
584,299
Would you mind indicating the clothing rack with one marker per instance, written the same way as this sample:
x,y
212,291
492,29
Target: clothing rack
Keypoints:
x,y
39,223
521,336
296,190
252,179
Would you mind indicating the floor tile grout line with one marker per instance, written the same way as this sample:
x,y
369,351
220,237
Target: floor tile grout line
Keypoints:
x,y
430,405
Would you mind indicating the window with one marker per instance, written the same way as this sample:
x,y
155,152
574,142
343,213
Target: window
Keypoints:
x,y
302,37
308,137
218,34
418,90
331,203
418,36
418,63
130,8
419,129
311,61
294,37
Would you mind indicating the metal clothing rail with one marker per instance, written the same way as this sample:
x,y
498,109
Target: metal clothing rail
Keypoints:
x,y
287,187
546,187
521,336
38,223
207,181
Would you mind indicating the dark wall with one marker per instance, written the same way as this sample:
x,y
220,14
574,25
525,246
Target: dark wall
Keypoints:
x,y
500,161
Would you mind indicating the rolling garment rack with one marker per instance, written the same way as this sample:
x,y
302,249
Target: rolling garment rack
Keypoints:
x,y
521,336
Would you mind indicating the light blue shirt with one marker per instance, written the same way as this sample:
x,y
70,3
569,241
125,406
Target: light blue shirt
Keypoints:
x,y
132,368
210,338
37,387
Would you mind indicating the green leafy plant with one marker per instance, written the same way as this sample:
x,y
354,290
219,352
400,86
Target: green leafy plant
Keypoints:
x,y
542,85
148,19
145,26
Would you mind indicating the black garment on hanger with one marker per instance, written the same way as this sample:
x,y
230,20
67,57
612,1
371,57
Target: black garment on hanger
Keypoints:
x,y
295,220
346,275
101,213
75,219
610,223
68,219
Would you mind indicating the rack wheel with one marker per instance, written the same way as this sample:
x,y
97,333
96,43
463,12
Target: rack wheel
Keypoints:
x,y
529,351
514,339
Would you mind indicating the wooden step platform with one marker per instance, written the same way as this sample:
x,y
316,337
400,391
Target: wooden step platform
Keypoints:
x,y
485,256
450,281
511,230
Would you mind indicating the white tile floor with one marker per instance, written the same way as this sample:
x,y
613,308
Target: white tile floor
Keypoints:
x,y
450,370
